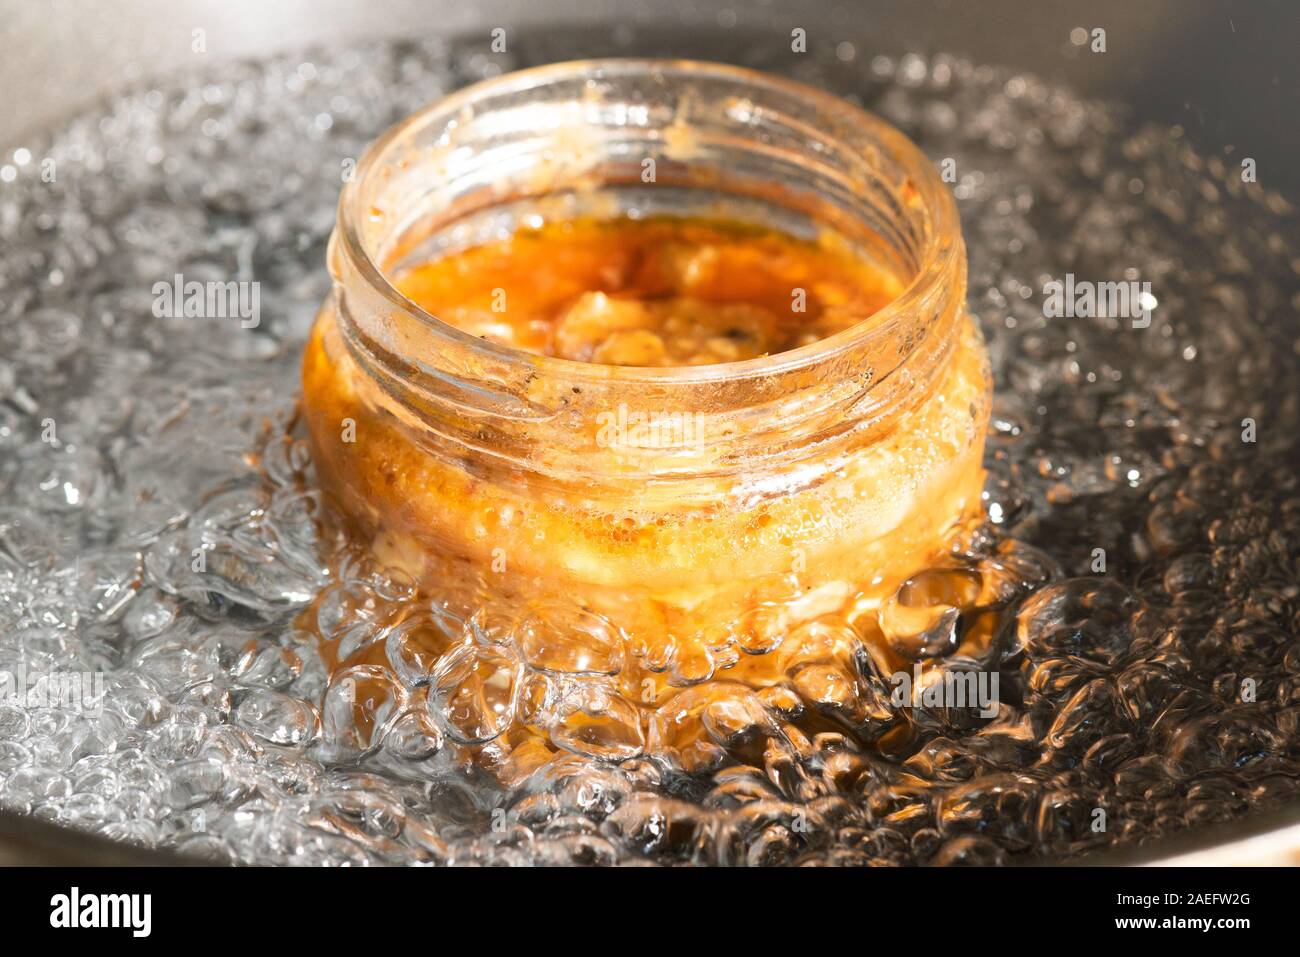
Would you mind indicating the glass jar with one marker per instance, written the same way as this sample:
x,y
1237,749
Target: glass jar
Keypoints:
x,y
666,525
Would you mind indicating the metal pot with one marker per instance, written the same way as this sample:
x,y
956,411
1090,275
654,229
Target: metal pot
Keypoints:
x,y
60,56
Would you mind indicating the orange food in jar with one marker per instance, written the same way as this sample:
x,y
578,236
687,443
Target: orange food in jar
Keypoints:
x,y
655,447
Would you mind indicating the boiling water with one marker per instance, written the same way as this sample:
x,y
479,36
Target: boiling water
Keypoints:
x,y
1134,588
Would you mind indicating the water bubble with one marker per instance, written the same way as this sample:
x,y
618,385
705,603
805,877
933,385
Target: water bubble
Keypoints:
x,y
473,694
599,724
920,620
360,706
277,718
570,642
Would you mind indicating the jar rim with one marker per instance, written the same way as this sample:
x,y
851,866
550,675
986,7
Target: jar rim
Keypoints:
x,y
934,259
